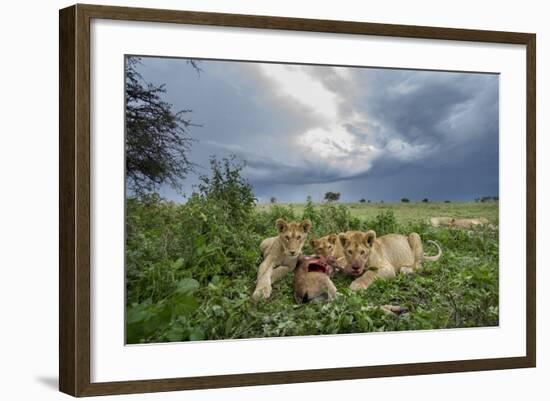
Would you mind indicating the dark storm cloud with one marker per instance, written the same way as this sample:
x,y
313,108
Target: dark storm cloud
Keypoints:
x,y
266,171
431,107
367,133
438,133
454,117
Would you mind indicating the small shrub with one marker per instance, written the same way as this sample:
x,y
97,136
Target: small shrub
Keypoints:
x,y
335,219
311,214
384,223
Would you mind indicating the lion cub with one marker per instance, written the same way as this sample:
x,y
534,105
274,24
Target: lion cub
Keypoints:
x,y
368,257
459,223
441,221
312,281
469,223
280,254
329,245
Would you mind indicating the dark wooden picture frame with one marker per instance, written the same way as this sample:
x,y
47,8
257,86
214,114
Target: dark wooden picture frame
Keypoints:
x,y
74,199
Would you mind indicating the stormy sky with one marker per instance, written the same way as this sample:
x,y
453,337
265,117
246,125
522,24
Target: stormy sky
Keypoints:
x,y
373,133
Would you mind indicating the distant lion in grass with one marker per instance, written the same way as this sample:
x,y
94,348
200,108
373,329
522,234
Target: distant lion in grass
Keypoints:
x,y
368,257
280,254
441,221
459,223
469,223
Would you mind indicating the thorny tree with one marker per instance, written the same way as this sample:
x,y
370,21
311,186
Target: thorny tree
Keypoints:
x,y
157,140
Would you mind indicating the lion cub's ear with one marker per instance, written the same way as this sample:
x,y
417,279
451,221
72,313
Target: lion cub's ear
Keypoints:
x,y
343,238
281,225
370,236
306,225
314,242
332,238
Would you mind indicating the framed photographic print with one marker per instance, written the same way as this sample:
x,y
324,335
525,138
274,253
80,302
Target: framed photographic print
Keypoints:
x,y
250,200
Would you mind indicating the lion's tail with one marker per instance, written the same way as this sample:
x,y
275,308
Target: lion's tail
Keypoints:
x,y
435,257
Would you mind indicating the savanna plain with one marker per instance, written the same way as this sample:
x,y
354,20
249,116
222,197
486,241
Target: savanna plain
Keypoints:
x,y
191,267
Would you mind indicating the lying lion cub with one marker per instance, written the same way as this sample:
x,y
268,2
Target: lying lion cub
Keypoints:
x,y
312,281
329,245
280,254
469,223
368,257
441,221
459,223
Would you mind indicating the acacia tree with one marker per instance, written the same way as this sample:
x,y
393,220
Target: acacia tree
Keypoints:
x,y
332,196
157,141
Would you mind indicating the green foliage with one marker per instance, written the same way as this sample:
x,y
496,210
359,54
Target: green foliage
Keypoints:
x,y
191,268
384,223
209,236
148,320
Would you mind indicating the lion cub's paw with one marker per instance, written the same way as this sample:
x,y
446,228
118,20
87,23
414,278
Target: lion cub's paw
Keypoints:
x,y
357,285
406,270
261,292
395,310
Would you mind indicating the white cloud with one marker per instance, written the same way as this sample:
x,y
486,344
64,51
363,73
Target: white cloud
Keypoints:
x,y
295,82
336,149
329,144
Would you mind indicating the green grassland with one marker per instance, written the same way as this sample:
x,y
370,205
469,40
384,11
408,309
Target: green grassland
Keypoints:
x,y
191,270
191,267
410,212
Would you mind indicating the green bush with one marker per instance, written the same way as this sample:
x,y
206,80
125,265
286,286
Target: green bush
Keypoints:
x,y
384,223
